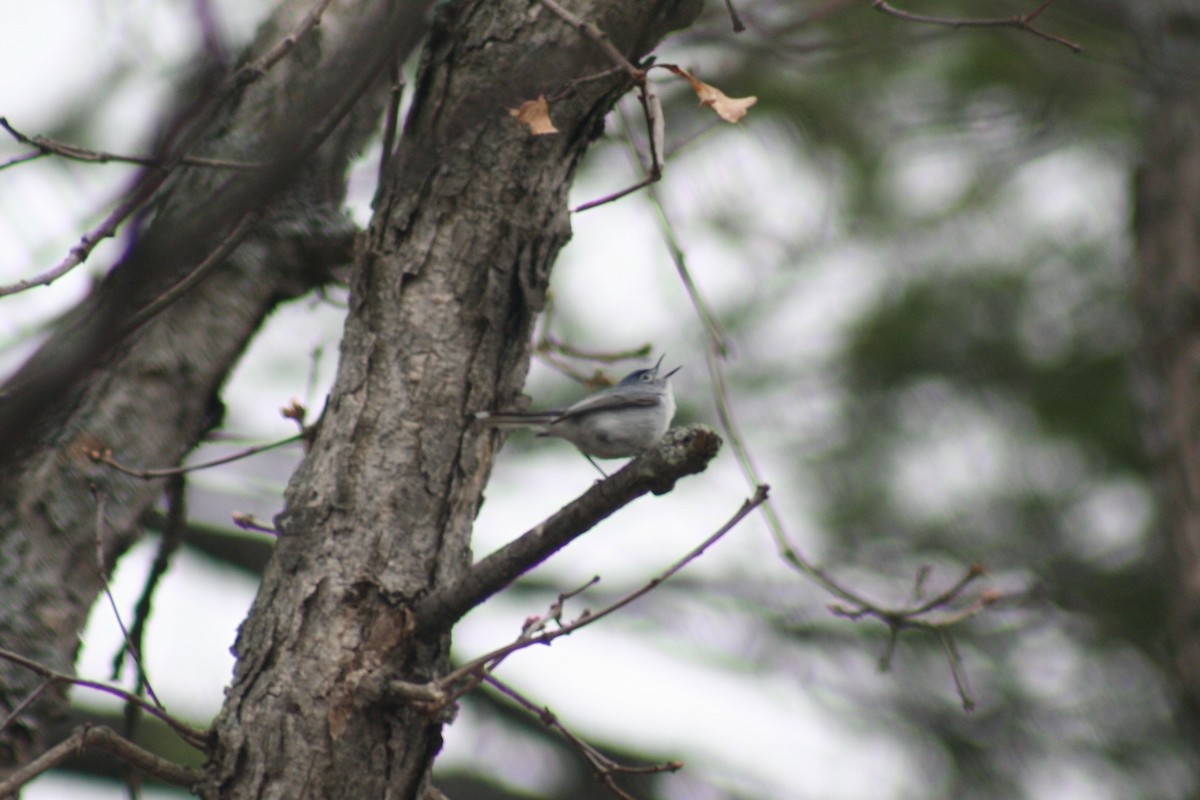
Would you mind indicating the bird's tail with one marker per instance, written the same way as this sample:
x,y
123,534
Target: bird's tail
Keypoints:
x,y
517,419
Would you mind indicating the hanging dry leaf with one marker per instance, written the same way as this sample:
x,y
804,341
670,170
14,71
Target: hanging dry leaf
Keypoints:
x,y
730,109
536,115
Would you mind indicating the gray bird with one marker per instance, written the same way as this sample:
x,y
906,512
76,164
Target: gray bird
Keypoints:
x,y
616,422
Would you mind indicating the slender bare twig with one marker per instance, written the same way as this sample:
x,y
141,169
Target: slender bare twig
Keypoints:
x,y
858,606
105,457
28,701
24,157
647,95
1022,22
89,737
48,146
468,676
943,599
256,69
172,537
152,179
102,573
548,347
956,670
718,342
193,736
247,522
591,31
197,273
392,120
734,19
603,767
147,185
656,130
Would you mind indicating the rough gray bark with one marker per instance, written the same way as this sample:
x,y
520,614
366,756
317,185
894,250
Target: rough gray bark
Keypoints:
x,y
1167,227
150,396
443,298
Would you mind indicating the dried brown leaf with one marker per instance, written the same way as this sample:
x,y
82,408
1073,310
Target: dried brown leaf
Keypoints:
x,y
730,109
536,115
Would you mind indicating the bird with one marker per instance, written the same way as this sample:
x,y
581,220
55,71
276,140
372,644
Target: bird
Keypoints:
x,y
616,422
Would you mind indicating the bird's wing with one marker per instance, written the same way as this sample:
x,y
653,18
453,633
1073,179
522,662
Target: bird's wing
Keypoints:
x,y
607,400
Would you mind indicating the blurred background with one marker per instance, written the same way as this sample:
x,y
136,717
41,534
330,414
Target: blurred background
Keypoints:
x,y
917,250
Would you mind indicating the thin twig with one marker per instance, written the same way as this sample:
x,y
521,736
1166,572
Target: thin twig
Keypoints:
x,y
193,736
146,187
48,146
28,701
945,598
172,537
608,198
653,113
391,121
247,522
24,157
860,606
102,573
591,31
152,179
256,69
89,737
216,256
105,457
473,670
602,766
1021,22
734,19
956,670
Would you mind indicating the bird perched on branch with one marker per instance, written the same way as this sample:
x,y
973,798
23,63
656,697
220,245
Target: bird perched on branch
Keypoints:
x,y
616,422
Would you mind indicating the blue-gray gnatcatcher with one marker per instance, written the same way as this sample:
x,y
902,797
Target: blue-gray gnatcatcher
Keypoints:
x,y
616,422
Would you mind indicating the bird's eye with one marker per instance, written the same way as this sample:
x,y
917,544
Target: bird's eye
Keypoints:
x,y
647,377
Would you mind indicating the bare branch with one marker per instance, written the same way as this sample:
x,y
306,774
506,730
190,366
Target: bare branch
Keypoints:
x,y
604,767
1022,22
172,537
256,69
247,522
591,31
193,736
392,120
152,180
87,737
28,701
468,676
683,451
47,146
137,197
734,19
652,108
133,650
956,670
105,457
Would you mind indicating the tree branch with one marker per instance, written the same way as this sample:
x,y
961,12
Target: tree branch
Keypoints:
x,y
106,739
1022,22
683,451
468,676
191,735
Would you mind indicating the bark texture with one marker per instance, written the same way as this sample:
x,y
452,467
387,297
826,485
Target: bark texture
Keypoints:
x,y
1167,227
467,225
151,395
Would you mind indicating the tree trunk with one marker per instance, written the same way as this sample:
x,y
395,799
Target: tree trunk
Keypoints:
x,y
1167,228
443,299
151,394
